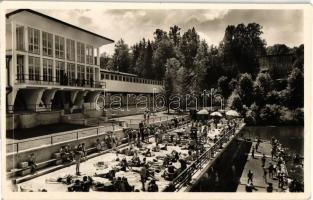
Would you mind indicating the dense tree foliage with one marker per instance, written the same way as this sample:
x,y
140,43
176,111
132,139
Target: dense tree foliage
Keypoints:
x,y
189,65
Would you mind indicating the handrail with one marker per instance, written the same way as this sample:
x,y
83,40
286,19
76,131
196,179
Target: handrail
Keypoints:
x,y
187,174
48,79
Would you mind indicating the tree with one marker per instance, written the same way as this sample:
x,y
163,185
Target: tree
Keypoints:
x,y
104,61
121,57
295,89
234,101
189,45
298,57
198,72
241,46
246,89
233,84
277,49
223,86
262,86
148,62
174,34
169,80
270,114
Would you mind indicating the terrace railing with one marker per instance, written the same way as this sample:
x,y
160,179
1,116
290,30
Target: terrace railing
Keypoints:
x,y
185,176
58,138
49,80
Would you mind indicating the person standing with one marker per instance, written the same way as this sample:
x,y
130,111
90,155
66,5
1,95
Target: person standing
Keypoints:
x,y
263,160
250,176
141,130
78,156
252,152
143,176
265,174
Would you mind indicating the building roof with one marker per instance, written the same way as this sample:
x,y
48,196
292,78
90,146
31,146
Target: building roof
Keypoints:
x,y
56,20
118,72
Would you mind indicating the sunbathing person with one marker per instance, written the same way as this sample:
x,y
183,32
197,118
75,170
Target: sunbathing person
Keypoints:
x,y
153,187
68,179
110,175
170,173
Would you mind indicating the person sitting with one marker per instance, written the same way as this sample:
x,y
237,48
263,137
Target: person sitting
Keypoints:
x,y
124,165
175,156
69,153
144,162
183,165
164,147
269,188
135,161
98,145
32,163
192,145
64,157
86,184
76,187
125,186
103,145
148,153
153,187
156,148
170,172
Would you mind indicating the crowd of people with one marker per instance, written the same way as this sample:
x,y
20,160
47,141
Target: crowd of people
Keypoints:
x,y
274,168
135,156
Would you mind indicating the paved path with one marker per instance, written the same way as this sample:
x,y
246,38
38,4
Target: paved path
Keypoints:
x,y
255,165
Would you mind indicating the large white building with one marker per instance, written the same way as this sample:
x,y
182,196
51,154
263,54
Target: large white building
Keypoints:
x,y
53,69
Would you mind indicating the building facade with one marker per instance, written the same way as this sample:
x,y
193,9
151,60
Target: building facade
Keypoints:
x,y
54,67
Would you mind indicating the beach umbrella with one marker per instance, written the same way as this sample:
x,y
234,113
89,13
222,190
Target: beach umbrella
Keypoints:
x,y
216,114
203,112
232,113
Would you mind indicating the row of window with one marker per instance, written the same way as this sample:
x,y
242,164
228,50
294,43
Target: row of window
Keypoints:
x,y
85,53
129,79
61,73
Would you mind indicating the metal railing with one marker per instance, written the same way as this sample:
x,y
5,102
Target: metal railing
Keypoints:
x,y
58,138
185,176
50,80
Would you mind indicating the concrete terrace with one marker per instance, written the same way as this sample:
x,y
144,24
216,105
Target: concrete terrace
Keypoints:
x,y
255,165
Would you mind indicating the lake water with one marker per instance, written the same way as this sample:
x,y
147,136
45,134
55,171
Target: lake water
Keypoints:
x,y
291,137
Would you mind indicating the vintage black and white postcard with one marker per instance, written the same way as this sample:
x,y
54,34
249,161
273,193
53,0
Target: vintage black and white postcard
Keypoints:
x,y
155,101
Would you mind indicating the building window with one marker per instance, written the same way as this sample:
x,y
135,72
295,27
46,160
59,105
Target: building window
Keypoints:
x,y
20,38
70,50
20,67
89,54
47,65
80,52
47,40
71,73
34,68
102,76
89,75
107,76
59,47
59,71
81,75
33,40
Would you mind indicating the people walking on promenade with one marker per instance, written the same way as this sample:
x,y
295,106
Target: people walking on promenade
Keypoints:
x,y
252,152
265,174
263,160
250,176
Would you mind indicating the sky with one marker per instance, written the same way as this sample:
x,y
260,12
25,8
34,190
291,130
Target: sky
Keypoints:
x,y
279,26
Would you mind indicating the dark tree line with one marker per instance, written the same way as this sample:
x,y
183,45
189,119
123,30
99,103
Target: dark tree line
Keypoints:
x,y
189,65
